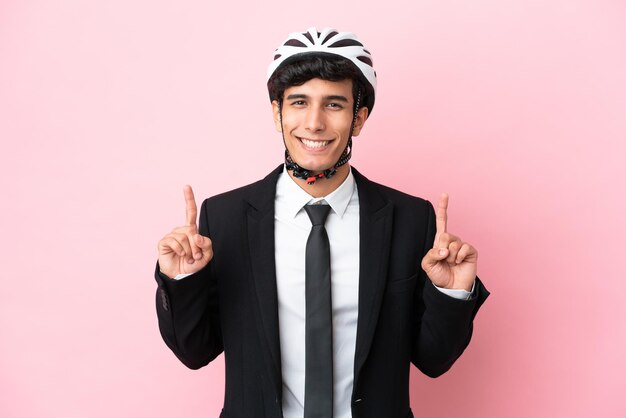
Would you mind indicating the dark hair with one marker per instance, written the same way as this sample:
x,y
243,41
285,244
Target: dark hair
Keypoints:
x,y
300,69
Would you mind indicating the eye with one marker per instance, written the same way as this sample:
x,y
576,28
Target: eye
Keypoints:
x,y
334,105
298,103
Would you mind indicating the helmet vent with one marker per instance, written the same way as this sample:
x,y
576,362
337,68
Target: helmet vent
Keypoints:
x,y
365,59
277,56
330,35
295,42
309,37
345,42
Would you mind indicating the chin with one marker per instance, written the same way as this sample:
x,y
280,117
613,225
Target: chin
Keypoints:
x,y
314,166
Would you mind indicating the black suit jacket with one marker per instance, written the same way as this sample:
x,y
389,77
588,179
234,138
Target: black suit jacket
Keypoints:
x,y
231,305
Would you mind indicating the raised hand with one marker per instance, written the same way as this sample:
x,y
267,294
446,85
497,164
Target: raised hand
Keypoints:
x,y
451,263
184,250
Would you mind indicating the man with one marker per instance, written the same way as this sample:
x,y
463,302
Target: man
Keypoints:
x,y
317,318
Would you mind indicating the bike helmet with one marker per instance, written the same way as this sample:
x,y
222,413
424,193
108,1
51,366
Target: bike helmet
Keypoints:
x,y
328,41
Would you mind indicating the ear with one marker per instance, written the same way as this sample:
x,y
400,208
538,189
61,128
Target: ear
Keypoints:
x,y
361,117
276,113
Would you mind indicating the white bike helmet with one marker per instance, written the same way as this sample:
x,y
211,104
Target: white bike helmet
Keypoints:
x,y
327,42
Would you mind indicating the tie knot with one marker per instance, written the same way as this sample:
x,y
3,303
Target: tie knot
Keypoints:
x,y
317,213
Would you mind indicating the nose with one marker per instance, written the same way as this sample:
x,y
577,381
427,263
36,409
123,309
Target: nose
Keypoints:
x,y
314,119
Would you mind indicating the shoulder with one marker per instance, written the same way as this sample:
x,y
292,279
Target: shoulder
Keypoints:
x,y
259,192
410,216
400,199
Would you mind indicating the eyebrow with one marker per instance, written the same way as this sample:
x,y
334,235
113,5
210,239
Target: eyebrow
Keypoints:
x,y
331,97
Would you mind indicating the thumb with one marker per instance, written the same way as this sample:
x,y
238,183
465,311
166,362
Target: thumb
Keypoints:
x,y
203,242
205,246
433,256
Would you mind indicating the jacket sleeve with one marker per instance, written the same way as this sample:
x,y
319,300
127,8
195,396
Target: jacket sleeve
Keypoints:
x,y
188,312
443,325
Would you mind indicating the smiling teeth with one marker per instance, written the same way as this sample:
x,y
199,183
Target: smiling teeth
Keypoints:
x,y
314,144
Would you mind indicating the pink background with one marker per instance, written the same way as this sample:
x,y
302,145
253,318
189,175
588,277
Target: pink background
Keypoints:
x,y
515,108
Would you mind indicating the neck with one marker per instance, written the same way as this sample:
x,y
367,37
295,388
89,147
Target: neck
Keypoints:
x,y
323,187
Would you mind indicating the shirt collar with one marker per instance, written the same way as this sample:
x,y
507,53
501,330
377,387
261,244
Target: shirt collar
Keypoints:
x,y
295,198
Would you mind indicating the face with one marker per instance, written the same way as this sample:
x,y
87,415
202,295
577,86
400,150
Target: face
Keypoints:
x,y
316,121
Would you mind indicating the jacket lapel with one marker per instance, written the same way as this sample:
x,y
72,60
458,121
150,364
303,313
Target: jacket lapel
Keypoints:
x,y
260,234
376,217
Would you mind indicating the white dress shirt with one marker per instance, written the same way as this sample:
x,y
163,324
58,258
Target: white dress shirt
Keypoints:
x,y
291,228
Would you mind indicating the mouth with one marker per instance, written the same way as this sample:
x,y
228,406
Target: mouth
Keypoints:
x,y
314,144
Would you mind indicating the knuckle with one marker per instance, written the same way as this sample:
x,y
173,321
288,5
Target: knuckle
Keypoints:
x,y
181,237
165,242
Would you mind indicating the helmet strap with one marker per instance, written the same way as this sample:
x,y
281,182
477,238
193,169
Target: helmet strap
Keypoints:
x,y
310,176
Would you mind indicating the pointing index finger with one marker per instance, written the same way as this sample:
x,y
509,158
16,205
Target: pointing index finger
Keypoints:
x,y
442,214
190,205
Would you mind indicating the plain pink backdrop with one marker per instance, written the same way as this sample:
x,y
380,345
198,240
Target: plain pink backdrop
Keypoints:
x,y
516,108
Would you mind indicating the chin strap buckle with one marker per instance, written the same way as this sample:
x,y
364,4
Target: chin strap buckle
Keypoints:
x,y
309,177
312,179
